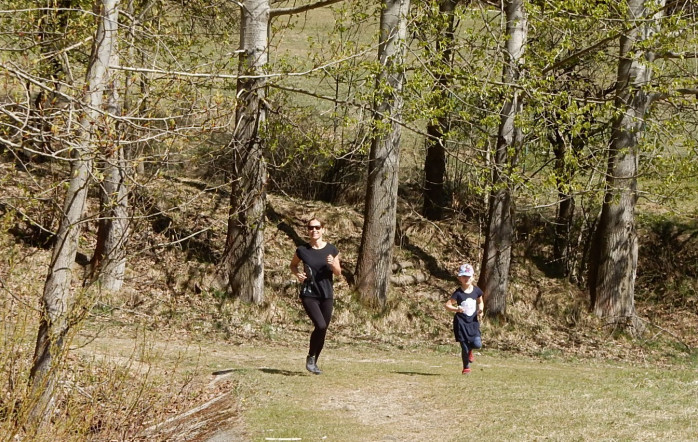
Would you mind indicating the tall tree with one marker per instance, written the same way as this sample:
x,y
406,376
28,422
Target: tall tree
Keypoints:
x,y
496,259
57,301
108,262
437,128
613,259
109,259
563,149
375,253
243,260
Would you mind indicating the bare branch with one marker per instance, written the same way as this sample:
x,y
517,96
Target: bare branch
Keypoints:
x,y
573,58
672,54
300,9
665,96
236,76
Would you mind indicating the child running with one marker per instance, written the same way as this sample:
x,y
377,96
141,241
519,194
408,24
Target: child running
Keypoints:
x,y
466,302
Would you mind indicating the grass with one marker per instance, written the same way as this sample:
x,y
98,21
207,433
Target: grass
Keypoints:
x,y
367,393
147,356
126,384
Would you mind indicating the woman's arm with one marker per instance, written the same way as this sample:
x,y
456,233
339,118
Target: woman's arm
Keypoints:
x,y
300,275
335,266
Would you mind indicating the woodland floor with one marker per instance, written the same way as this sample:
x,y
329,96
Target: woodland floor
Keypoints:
x,y
391,375
261,391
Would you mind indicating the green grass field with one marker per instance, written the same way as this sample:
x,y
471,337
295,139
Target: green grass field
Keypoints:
x,y
419,395
369,393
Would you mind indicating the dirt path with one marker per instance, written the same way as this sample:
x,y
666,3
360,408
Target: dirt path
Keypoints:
x,y
389,395
259,391
263,392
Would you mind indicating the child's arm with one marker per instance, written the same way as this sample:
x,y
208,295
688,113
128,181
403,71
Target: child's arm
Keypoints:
x,y
452,307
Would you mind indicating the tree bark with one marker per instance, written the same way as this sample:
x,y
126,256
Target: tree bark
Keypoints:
x,y
109,260
375,253
496,260
613,259
57,301
243,261
565,208
435,162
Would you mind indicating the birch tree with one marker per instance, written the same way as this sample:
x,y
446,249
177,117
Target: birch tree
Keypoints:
x,y
375,253
57,302
109,259
496,260
613,260
244,253
243,260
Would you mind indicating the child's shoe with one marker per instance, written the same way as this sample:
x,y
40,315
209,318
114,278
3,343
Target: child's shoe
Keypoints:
x,y
471,356
466,371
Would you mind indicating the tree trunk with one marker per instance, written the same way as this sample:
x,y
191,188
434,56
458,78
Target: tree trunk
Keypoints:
x,y
243,261
496,260
563,228
613,259
109,259
375,253
565,208
435,162
57,301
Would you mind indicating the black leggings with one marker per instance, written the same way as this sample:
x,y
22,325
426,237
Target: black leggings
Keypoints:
x,y
320,312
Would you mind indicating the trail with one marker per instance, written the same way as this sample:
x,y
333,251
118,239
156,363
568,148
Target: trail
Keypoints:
x,y
389,396
260,391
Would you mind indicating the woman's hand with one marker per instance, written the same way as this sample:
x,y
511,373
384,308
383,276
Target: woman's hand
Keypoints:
x,y
298,269
333,263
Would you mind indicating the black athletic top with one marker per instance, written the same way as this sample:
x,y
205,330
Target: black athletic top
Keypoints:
x,y
316,268
466,325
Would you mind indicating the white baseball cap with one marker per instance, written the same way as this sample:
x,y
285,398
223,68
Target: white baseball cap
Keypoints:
x,y
466,270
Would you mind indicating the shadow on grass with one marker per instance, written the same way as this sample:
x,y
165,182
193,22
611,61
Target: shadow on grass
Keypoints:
x,y
550,269
415,373
263,370
282,372
222,372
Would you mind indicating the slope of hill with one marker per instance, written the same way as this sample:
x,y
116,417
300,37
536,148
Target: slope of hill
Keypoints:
x,y
168,304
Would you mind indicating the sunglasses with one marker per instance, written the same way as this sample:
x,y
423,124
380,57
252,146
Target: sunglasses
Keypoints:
x,y
314,227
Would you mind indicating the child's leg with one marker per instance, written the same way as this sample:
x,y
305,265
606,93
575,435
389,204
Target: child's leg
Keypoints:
x,y
464,353
473,344
476,343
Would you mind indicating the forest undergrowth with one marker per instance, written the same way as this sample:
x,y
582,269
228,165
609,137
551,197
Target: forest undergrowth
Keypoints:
x,y
167,302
